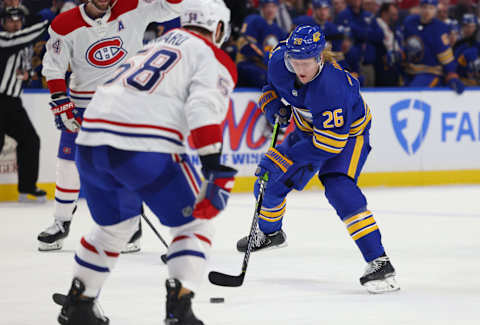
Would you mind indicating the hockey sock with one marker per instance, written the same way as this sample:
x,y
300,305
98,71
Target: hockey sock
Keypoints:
x,y
67,189
98,253
187,254
270,219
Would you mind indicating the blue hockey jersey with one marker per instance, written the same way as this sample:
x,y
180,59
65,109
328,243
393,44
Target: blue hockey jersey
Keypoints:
x,y
258,39
427,47
327,110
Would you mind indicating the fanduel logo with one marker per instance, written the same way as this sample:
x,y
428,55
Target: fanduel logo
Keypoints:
x,y
410,120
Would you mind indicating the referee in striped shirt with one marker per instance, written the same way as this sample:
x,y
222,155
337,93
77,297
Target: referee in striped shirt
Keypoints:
x,y
14,121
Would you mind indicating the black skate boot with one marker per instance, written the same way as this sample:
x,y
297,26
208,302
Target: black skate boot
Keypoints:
x,y
179,310
52,238
262,241
133,244
379,276
35,196
78,310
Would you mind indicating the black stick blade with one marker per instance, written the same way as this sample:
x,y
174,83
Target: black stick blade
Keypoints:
x,y
226,280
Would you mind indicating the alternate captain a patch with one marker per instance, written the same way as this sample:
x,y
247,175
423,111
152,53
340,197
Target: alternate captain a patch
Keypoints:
x,y
120,26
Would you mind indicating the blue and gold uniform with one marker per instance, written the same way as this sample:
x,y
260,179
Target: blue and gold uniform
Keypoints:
x,y
257,40
331,139
428,51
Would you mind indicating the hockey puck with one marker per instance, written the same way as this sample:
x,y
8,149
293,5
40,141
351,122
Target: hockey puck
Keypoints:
x,y
217,300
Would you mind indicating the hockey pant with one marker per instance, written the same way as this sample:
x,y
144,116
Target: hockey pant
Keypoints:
x,y
115,183
339,177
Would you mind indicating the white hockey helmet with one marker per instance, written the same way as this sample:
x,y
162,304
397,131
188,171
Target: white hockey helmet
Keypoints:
x,y
207,14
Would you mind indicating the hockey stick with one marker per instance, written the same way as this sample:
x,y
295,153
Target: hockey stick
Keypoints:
x,y
164,256
226,280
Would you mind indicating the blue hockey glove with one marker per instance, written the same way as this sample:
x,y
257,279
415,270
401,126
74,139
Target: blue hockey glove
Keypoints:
x,y
214,192
66,115
272,106
281,169
457,85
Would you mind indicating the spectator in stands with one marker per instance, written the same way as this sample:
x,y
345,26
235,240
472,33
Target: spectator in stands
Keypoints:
x,y
430,59
389,52
442,12
338,7
366,36
371,6
462,7
321,17
58,6
258,37
14,121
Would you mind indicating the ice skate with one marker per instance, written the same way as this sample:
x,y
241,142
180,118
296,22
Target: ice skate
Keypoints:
x,y
133,244
79,310
261,241
52,238
179,310
379,276
36,196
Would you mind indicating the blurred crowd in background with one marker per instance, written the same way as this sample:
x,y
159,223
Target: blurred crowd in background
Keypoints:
x,y
417,43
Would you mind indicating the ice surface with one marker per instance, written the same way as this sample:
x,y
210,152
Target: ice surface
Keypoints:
x,y
432,235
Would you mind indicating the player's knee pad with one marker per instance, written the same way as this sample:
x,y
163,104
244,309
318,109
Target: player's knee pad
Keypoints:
x,y
343,194
188,252
99,251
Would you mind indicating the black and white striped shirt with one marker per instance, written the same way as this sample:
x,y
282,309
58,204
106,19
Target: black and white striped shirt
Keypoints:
x,y
13,55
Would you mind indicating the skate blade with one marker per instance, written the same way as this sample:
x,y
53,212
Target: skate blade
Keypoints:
x,y
132,248
29,198
46,247
382,286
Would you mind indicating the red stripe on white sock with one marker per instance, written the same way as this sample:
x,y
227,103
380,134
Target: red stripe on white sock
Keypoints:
x,y
178,238
66,190
88,246
203,238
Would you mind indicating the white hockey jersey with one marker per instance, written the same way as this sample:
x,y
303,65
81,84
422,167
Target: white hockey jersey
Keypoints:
x,y
178,84
95,48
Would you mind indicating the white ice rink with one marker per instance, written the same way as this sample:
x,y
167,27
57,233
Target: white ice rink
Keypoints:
x,y
432,235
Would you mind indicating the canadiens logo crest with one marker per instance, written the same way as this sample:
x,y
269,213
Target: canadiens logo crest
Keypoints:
x,y
106,52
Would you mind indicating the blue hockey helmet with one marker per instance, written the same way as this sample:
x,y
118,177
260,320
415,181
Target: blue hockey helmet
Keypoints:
x,y
264,2
429,2
306,41
321,3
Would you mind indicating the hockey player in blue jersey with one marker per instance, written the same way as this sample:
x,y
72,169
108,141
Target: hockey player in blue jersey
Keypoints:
x,y
331,139
429,54
259,35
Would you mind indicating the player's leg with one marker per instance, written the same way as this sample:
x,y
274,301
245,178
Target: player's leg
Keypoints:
x,y
116,211
66,195
171,196
339,177
270,233
17,125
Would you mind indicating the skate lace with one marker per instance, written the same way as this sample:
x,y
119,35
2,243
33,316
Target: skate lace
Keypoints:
x,y
376,264
259,238
57,225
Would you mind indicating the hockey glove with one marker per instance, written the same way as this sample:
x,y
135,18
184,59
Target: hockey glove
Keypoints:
x,y
272,106
214,192
281,169
66,115
457,85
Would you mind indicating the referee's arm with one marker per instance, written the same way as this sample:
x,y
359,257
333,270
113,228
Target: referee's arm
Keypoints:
x,y
23,37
